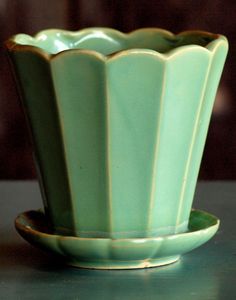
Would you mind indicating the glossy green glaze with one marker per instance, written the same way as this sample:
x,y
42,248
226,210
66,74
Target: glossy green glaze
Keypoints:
x,y
102,253
119,123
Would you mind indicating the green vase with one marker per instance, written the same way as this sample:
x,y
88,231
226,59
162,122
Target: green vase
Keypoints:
x,y
119,122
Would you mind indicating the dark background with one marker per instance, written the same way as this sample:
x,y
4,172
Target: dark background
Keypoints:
x,y
30,16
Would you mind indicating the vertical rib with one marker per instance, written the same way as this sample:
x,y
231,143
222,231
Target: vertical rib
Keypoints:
x,y
156,152
192,143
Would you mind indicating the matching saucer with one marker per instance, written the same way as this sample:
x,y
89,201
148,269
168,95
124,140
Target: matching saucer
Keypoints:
x,y
105,253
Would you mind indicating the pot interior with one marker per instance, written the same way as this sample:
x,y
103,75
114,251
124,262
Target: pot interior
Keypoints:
x,y
108,41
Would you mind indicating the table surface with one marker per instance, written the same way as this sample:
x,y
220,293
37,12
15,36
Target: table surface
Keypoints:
x,y
208,272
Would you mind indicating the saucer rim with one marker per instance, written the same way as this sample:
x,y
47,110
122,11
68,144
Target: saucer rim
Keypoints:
x,y
89,252
26,228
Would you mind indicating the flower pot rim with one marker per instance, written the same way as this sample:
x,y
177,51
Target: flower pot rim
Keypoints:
x,y
15,43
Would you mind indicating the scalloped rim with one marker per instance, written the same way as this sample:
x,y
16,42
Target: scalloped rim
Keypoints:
x,y
218,39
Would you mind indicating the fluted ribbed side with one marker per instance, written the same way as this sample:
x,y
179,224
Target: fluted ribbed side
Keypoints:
x,y
81,101
218,54
39,102
120,138
186,75
134,117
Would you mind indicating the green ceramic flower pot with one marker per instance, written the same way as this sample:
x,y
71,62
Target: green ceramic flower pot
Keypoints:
x,y
119,122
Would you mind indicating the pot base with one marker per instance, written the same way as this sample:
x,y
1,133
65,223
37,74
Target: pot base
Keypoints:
x,y
119,265
102,253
